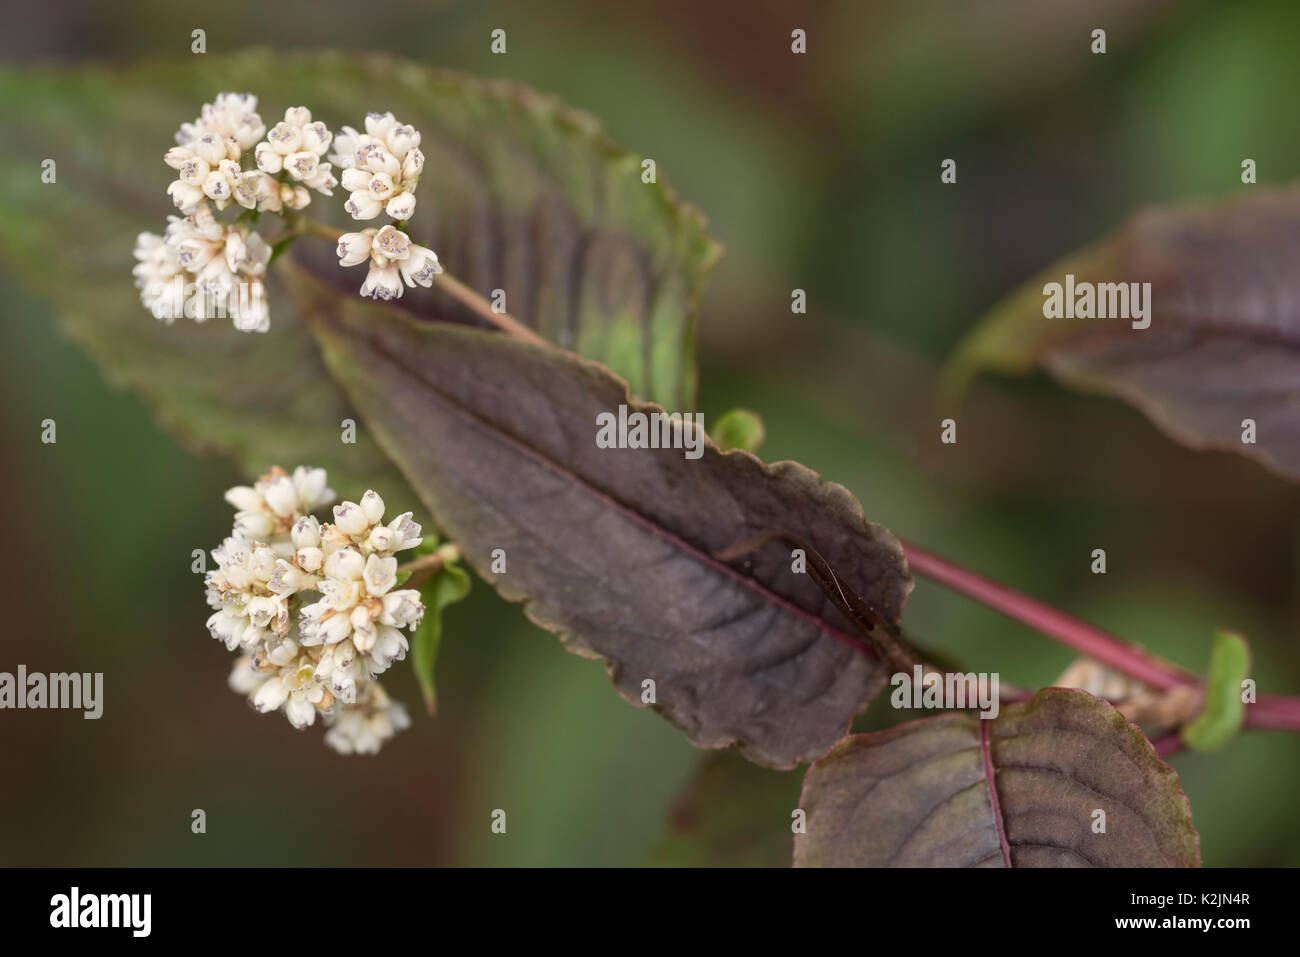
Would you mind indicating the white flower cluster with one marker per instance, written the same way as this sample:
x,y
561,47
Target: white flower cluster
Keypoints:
x,y
320,656
200,268
381,169
392,257
295,146
209,159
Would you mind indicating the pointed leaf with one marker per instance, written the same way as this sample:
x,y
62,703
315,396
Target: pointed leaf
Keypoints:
x,y
614,547
450,585
1224,339
1022,790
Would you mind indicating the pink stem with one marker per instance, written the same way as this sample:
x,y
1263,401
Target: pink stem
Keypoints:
x,y
1091,641
1167,744
1277,712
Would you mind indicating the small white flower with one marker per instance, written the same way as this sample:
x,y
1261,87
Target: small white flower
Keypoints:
x,y
350,519
401,206
402,609
345,565
362,728
340,669
192,168
380,575
271,695
354,248
244,678
382,282
187,197
419,268
256,190
362,205
220,183
293,687
290,578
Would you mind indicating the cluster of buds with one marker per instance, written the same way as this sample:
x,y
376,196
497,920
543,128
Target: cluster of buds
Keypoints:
x,y
200,268
393,259
381,168
209,158
313,609
295,147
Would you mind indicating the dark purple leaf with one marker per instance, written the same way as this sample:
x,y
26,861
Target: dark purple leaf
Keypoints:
x,y
614,548
1224,341
1020,790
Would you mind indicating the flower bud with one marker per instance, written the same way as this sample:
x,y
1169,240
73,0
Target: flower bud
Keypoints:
x,y
401,206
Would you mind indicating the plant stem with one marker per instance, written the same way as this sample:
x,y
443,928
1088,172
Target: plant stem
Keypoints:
x,y
468,297
426,566
444,281
311,227
1167,744
1088,639
1275,712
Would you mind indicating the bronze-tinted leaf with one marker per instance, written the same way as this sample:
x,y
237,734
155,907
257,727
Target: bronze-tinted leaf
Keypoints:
x,y
1021,790
613,547
1224,341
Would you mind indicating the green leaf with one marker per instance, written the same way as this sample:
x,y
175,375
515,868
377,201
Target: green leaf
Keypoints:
x,y
617,549
1224,711
738,429
1223,341
520,193
450,585
1023,789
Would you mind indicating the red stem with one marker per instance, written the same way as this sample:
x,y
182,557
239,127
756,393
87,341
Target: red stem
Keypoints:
x,y
1167,744
1279,712
1091,641
1276,711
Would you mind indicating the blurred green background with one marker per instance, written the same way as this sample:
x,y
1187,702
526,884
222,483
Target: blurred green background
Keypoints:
x,y
818,172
